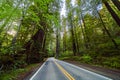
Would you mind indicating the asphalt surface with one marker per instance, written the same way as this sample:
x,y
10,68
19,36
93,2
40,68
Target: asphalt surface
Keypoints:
x,y
54,69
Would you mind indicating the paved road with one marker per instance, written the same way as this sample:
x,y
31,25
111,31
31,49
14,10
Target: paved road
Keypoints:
x,y
54,69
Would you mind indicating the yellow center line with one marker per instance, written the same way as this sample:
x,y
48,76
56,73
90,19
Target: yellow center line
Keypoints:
x,y
64,71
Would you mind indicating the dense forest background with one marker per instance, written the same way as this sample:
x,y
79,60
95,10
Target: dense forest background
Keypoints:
x,y
84,30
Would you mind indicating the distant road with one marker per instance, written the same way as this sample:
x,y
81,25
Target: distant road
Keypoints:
x,y
54,69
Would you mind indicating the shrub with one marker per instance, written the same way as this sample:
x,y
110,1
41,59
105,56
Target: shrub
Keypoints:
x,y
86,58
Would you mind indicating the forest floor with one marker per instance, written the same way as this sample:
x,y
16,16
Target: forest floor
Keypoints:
x,y
28,74
20,73
112,73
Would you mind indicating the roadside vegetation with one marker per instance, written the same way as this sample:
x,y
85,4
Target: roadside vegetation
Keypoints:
x,y
17,74
107,62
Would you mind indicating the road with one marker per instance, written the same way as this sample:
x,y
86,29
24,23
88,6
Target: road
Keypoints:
x,y
54,69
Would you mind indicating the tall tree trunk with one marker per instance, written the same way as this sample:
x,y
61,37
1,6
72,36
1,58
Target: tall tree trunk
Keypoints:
x,y
57,43
114,15
85,33
108,33
76,40
116,3
64,42
73,39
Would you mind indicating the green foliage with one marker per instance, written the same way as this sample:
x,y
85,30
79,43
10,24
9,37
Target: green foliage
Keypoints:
x,y
109,62
113,62
19,22
72,58
86,58
9,75
66,53
13,74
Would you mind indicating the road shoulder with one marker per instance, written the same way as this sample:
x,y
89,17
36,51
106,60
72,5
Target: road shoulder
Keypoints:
x,y
114,74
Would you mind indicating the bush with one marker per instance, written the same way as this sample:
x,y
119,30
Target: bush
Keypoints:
x,y
86,58
113,62
66,54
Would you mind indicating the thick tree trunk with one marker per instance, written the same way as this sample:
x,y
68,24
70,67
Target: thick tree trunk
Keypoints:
x,y
117,4
114,15
34,47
